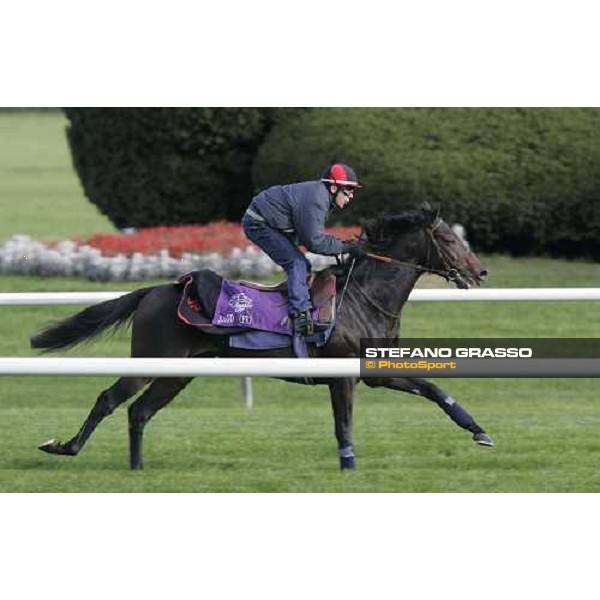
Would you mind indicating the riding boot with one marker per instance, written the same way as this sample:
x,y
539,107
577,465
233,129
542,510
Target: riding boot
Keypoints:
x,y
303,323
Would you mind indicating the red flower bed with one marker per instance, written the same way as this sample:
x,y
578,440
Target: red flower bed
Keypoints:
x,y
220,237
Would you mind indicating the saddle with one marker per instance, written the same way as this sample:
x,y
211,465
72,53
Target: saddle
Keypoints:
x,y
222,307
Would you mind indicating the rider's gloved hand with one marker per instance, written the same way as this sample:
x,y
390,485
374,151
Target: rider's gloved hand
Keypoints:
x,y
354,250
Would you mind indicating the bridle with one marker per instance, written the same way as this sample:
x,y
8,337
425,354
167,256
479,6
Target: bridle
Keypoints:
x,y
449,272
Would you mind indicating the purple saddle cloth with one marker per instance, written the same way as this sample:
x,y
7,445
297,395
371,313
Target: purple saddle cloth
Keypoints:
x,y
252,319
242,306
218,306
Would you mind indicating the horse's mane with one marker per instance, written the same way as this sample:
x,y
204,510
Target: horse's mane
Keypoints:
x,y
380,231
377,233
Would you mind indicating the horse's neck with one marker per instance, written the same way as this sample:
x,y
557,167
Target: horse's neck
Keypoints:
x,y
386,286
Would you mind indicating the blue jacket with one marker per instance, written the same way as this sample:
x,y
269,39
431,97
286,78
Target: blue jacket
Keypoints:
x,y
300,209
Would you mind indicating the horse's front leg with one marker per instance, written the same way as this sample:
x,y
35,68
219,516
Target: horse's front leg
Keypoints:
x,y
449,405
342,398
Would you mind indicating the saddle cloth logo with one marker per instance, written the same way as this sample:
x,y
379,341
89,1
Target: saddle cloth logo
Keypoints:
x,y
241,302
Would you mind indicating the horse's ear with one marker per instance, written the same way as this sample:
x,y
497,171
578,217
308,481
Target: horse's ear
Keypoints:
x,y
372,228
431,214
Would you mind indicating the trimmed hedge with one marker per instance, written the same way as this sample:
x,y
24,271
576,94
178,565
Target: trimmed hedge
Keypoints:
x,y
521,180
160,166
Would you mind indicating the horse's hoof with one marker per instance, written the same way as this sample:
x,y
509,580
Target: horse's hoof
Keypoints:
x,y
51,446
483,439
55,447
347,463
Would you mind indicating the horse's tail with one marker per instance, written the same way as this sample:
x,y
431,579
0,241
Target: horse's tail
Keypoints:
x,y
89,323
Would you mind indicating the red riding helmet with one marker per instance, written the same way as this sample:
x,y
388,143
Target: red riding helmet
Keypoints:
x,y
341,175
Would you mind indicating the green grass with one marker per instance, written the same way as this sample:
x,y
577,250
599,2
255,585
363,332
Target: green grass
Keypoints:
x,y
206,441
546,431
40,194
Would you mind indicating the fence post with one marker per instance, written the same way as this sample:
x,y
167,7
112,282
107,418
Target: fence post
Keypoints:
x,y
247,391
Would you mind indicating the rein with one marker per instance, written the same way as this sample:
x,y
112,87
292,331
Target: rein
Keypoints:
x,y
449,272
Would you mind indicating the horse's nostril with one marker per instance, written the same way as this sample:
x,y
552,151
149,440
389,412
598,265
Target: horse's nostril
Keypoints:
x,y
483,274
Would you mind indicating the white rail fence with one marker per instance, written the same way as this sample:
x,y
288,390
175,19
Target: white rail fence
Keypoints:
x,y
182,367
242,367
419,295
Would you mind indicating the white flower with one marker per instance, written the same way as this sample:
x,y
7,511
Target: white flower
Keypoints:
x,y
24,255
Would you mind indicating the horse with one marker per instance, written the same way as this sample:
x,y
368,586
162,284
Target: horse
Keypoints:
x,y
371,291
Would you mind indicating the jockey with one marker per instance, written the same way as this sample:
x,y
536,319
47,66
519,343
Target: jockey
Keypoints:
x,y
282,217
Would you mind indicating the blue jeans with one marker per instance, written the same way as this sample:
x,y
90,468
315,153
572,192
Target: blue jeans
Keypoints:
x,y
286,255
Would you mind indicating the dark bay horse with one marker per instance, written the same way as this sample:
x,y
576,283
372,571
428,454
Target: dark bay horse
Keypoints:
x,y
375,289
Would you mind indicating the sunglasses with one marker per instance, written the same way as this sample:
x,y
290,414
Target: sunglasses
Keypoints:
x,y
348,191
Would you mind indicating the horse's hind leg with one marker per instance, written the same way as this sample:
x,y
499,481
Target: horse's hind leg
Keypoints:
x,y
107,401
449,405
157,396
